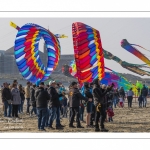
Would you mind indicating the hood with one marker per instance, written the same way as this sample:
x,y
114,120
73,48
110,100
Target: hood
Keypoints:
x,y
86,85
96,81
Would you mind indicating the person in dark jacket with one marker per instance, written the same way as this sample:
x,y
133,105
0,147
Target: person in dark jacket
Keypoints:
x,y
32,99
54,106
88,94
6,99
74,105
99,102
122,92
42,98
144,93
22,95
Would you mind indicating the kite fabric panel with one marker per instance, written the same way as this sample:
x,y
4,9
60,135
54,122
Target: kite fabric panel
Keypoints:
x,y
127,46
26,51
88,52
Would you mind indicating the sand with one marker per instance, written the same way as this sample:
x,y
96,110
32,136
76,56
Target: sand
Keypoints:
x,y
130,120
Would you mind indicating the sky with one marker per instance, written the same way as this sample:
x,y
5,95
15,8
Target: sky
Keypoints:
x,y
112,31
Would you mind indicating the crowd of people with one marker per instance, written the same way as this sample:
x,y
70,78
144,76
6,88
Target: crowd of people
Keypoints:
x,y
53,102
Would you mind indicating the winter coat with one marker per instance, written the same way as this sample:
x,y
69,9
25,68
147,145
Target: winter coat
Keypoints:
x,y
54,97
42,98
6,94
144,91
27,92
16,98
76,98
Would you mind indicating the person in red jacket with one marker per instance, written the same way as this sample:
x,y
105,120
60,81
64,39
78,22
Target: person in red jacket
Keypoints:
x,y
110,113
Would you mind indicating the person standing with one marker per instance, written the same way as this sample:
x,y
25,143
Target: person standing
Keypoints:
x,y
22,95
74,105
122,92
6,99
16,100
144,93
27,96
99,101
130,97
42,97
54,106
88,94
32,99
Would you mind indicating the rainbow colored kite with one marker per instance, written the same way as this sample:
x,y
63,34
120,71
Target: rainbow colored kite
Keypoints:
x,y
27,53
127,46
88,52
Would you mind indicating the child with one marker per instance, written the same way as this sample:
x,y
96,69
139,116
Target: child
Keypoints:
x,y
110,113
64,106
121,100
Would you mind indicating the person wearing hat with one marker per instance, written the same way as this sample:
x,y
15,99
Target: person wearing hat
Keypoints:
x,y
42,97
75,103
54,106
99,101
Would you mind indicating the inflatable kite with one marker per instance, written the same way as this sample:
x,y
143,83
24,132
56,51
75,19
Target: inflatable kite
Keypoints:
x,y
129,47
136,68
27,53
72,68
88,53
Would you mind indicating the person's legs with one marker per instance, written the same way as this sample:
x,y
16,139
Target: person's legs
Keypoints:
x,y
97,116
131,102
145,101
22,102
65,111
39,114
16,110
28,104
77,116
43,120
13,111
128,101
52,116
102,120
5,108
57,116
92,115
72,116
9,110
89,111
114,102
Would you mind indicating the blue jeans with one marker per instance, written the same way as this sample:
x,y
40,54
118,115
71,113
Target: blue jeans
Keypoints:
x,y
144,101
114,102
20,109
54,113
7,109
28,104
47,117
41,112
81,111
33,110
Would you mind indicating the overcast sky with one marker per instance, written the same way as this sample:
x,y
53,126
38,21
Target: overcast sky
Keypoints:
x,y
112,31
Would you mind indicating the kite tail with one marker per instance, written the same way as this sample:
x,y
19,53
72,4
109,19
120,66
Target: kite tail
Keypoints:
x,y
14,26
140,47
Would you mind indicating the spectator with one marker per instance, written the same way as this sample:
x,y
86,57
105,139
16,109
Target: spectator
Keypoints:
x,y
64,106
27,96
99,101
144,93
122,92
130,97
110,113
33,101
22,95
7,100
16,100
54,106
42,98
140,99
74,104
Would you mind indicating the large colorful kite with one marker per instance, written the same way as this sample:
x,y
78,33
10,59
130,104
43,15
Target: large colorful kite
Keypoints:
x,y
88,52
136,68
129,47
27,53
